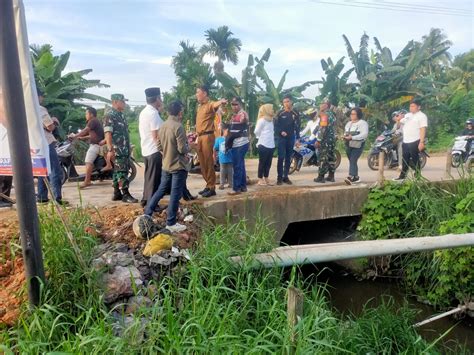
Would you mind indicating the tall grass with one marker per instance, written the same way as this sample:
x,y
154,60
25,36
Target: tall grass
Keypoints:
x,y
209,306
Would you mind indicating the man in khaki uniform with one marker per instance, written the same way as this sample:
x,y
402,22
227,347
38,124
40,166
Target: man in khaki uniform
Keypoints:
x,y
205,144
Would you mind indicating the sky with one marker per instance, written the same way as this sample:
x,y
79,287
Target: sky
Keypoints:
x,y
130,44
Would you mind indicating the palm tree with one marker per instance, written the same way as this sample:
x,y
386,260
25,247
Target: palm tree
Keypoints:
x,y
222,45
436,46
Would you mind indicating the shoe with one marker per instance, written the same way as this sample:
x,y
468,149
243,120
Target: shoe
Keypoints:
x,y
234,193
268,182
348,180
243,189
209,193
320,179
400,179
330,178
262,183
203,191
117,195
221,187
40,201
176,228
287,181
356,180
279,182
127,198
84,186
62,202
190,198
143,203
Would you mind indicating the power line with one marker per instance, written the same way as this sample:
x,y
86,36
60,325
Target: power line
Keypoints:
x,y
398,7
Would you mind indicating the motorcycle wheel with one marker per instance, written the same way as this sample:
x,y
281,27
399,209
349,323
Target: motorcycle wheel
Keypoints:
x,y
456,160
423,160
338,158
373,161
132,171
63,174
293,165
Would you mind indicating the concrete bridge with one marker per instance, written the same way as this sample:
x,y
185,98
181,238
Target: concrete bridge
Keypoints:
x,y
287,205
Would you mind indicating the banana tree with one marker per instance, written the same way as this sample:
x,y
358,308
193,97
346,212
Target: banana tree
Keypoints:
x,y
63,92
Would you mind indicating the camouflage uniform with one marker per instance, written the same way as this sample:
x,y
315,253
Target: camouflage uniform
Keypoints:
x,y
115,122
327,149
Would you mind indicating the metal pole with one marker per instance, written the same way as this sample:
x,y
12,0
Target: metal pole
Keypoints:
x,y
17,130
318,253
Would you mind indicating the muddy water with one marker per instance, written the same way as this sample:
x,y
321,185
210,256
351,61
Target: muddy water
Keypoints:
x,y
349,296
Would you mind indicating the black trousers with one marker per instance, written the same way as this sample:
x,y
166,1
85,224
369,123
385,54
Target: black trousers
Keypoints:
x,y
411,158
265,156
153,167
5,186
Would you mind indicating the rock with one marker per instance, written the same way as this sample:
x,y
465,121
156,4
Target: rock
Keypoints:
x,y
119,283
144,226
119,306
189,218
159,260
137,302
143,265
113,259
113,247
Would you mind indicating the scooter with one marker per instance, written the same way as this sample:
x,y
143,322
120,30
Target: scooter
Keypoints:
x,y
195,165
387,143
306,154
459,153
470,160
65,151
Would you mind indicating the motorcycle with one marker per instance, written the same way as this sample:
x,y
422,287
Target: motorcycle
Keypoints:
x,y
387,143
195,165
66,150
459,153
306,154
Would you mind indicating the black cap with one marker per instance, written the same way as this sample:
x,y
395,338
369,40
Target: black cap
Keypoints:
x,y
152,92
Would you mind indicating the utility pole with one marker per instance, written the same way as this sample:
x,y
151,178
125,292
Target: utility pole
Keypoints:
x,y
20,152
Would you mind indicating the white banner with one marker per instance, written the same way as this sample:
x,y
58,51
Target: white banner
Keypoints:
x,y
38,144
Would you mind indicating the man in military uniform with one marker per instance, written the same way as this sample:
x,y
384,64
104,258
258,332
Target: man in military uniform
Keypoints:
x,y
118,143
327,163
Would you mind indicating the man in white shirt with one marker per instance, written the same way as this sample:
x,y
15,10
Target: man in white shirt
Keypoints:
x,y
414,133
149,122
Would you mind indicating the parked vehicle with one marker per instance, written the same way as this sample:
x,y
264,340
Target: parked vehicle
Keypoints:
x,y
306,154
195,166
66,151
470,160
387,143
459,152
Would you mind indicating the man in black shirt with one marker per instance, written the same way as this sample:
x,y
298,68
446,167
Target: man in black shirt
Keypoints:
x,y
287,130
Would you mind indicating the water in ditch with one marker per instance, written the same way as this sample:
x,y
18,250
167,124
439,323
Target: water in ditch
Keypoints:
x,y
348,295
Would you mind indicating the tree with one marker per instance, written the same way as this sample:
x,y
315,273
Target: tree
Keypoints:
x,y
191,72
222,45
63,92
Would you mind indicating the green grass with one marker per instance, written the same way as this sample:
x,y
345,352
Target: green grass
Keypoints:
x,y
135,139
210,306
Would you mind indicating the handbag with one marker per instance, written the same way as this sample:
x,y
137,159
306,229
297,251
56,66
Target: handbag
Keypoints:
x,y
355,144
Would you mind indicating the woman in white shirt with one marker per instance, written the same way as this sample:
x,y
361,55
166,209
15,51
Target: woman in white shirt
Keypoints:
x,y
355,134
264,131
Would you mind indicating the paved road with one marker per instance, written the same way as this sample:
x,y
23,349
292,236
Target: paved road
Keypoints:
x,y
100,194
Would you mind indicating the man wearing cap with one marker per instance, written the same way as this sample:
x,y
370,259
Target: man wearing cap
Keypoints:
x,y
205,145
149,122
117,138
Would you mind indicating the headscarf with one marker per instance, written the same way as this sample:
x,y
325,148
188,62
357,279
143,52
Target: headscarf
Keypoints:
x,y
266,112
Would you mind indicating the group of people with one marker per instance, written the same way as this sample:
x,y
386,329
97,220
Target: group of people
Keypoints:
x,y
165,147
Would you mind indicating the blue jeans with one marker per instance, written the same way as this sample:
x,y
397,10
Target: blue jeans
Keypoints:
x,y
177,180
54,177
285,152
238,161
